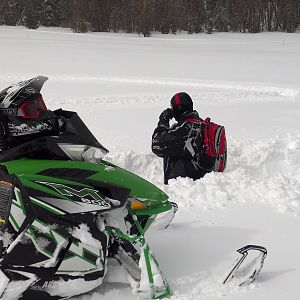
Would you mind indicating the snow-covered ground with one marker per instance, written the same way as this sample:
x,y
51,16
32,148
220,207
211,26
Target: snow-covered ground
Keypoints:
x,y
119,84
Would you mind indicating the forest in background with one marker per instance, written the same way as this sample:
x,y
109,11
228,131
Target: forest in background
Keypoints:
x,y
146,16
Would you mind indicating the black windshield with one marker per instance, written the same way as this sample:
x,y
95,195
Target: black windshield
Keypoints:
x,y
73,131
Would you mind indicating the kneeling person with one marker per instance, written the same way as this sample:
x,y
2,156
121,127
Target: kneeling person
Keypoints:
x,y
180,145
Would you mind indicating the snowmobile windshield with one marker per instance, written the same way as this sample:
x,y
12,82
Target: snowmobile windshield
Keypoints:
x,y
77,138
73,140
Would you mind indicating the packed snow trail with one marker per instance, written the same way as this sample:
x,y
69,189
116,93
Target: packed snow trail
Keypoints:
x,y
191,83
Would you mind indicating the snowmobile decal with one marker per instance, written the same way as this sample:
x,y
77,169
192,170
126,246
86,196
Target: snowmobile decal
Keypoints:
x,y
46,206
24,129
69,206
49,242
45,239
83,194
82,258
17,212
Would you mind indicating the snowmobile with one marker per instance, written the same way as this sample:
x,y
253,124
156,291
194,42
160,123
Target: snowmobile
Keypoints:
x,y
62,218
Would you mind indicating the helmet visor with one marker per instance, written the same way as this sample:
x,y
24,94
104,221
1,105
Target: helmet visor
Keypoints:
x,y
32,109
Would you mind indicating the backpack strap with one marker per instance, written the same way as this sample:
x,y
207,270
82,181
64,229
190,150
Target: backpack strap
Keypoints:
x,y
204,131
191,120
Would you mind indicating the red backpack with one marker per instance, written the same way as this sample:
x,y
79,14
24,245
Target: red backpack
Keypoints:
x,y
214,153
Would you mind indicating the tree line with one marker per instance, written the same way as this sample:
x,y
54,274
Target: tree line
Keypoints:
x,y
146,16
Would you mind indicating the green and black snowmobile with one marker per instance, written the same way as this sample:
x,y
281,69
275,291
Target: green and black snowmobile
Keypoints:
x,y
62,217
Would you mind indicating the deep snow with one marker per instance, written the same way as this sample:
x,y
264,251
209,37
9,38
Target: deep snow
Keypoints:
x,y
119,83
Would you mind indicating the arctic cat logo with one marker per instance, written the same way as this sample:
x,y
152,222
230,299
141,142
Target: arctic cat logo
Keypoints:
x,y
86,195
24,129
48,284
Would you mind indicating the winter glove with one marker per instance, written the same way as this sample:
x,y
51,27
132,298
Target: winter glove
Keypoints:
x,y
165,117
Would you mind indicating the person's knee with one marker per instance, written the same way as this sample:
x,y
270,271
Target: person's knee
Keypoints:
x,y
178,169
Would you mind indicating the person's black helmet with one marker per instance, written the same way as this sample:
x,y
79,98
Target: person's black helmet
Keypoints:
x,y
24,99
181,103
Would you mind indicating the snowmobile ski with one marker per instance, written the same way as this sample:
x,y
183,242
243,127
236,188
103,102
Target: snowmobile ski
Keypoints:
x,y
248,266
164,219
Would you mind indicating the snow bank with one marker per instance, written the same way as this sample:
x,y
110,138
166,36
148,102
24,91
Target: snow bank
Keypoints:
x,y
257,171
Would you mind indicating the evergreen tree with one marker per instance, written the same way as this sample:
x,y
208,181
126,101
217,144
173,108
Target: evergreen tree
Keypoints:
x,y
221,15
142,10
52,13
238,15
164,12
80,16
12,11
128,23
290,17
32,14
100,15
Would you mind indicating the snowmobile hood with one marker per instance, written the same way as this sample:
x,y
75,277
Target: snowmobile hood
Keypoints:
x,y
82,173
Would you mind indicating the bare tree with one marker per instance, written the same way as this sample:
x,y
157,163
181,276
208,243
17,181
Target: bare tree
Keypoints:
x,y
81,16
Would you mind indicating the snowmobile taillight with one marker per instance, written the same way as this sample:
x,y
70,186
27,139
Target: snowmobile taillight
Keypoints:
x,y
137,205
31,109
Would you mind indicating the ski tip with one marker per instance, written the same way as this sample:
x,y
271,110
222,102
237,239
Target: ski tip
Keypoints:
x,y
252,247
